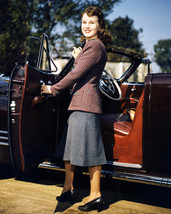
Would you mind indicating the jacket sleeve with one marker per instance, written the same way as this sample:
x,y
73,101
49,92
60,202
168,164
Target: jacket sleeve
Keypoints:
x,y
91,55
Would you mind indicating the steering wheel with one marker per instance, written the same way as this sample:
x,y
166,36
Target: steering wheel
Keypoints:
x,y
109,86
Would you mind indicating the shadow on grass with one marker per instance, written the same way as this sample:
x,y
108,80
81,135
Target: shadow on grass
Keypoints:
x,y
80,196
112,190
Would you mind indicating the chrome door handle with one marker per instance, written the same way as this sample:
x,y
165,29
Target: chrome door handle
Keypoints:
x,y
133,89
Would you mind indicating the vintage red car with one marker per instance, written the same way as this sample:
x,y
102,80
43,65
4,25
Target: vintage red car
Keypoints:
x,y
135,124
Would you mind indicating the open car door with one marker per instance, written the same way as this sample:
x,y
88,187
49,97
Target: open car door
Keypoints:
x,y
31,115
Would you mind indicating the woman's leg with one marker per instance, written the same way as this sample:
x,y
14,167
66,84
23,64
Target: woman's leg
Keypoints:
x,y
95,177
69,177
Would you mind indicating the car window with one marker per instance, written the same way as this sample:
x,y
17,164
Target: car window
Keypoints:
x,y
44,65
140,74
39,56
117,64
33,52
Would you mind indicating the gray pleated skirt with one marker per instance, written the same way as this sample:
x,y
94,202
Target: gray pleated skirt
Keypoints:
x,y
81,143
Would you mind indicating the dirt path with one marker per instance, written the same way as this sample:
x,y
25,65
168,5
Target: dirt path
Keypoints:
x,y
38,196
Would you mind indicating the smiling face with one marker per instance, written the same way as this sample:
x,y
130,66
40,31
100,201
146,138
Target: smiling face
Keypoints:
x,y
90,27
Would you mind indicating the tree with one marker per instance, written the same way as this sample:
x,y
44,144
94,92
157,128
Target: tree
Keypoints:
x,y
124,34
60,20
163,54
14,32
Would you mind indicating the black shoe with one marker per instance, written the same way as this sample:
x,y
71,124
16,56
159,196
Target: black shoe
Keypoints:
x,y
96,204
66,196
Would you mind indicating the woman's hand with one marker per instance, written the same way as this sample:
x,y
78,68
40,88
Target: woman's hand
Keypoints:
x,y
76,51
45,89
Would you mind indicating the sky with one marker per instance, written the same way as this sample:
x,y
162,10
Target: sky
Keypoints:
x,y
153,16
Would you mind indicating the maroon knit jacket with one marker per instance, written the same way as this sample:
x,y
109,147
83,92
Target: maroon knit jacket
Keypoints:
x,y
85,77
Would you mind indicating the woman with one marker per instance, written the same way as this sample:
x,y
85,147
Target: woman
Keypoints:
x,y
84,146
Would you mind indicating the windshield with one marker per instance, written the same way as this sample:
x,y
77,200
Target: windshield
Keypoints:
x,y
117,64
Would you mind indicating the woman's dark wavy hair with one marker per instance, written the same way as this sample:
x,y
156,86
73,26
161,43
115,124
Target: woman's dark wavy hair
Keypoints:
x,y
103,34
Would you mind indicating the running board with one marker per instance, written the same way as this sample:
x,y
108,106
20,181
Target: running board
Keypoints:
x,y
130,177
49,165
139,178
127,165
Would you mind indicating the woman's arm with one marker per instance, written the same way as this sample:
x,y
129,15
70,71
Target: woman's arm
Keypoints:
x,y
91,55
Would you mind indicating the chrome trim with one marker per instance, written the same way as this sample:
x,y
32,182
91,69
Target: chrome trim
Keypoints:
x,y
3,132
48,165
128,165
3,138
132,83
138,178
4,144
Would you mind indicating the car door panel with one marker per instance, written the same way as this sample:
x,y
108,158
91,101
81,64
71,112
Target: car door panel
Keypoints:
x,y
31,118
156,129
130,95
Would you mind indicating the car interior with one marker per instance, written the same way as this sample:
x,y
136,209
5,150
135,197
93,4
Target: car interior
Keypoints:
x,y
122,119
